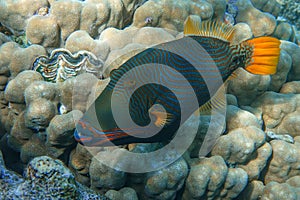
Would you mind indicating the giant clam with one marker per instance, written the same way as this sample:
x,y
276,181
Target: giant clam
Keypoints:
x,y
62,64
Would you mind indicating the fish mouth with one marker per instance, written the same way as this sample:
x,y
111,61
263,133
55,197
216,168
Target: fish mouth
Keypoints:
x,y
88,135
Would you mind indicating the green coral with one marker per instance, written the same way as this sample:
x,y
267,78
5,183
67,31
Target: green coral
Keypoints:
x,y
21,40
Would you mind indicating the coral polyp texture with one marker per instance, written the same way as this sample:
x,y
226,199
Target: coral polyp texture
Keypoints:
x,y
44,178
57,56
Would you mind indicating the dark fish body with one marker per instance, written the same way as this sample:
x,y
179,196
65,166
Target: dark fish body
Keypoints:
x,y
218,58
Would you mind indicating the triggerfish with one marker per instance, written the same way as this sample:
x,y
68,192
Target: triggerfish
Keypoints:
x,y
160,105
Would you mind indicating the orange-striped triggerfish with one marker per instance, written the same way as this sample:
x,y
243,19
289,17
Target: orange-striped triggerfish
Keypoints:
x,y
158,102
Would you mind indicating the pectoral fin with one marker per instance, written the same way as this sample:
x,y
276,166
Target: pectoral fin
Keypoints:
x,y
162,118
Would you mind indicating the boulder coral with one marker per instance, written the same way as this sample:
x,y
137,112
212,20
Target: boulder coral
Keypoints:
x,y
104,177
65,17
210,178
238,118
15,59
240,151
255,85
165,183
293,50
247,13
291,87
270,6
22,11
79,163
130,41
279,112
285,161
156,13
126,193
278,191
286,31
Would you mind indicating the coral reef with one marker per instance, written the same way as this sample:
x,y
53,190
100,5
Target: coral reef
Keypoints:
x,y
74,46
270,6
66,17
291,11
22,11
210,178
284,162
45,178
157,13
103,176
125,193
249,14
278,111
164,184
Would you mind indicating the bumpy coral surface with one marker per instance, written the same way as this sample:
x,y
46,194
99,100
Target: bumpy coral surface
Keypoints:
x,y
256,156
45,178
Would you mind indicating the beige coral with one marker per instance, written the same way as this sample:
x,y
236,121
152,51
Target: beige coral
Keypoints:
x,y
271,6
255,85
14,91
157,13
19,134
253,190
79,163
279,112
81,40
278,191
210,178
239,145
39,113
126,193
104,177
291,87
285,161
283,67
255,167
164,183
61,129
22,10
238,118
249,14
91,16
41,89
46,35
285,31
293,50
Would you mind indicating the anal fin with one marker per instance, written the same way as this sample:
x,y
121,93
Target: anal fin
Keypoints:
x,y
217,102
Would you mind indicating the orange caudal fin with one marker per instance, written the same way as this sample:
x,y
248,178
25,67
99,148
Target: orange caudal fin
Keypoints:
x,y
264,56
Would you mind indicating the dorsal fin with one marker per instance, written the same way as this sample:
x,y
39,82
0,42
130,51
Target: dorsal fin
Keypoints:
x,y
214,29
